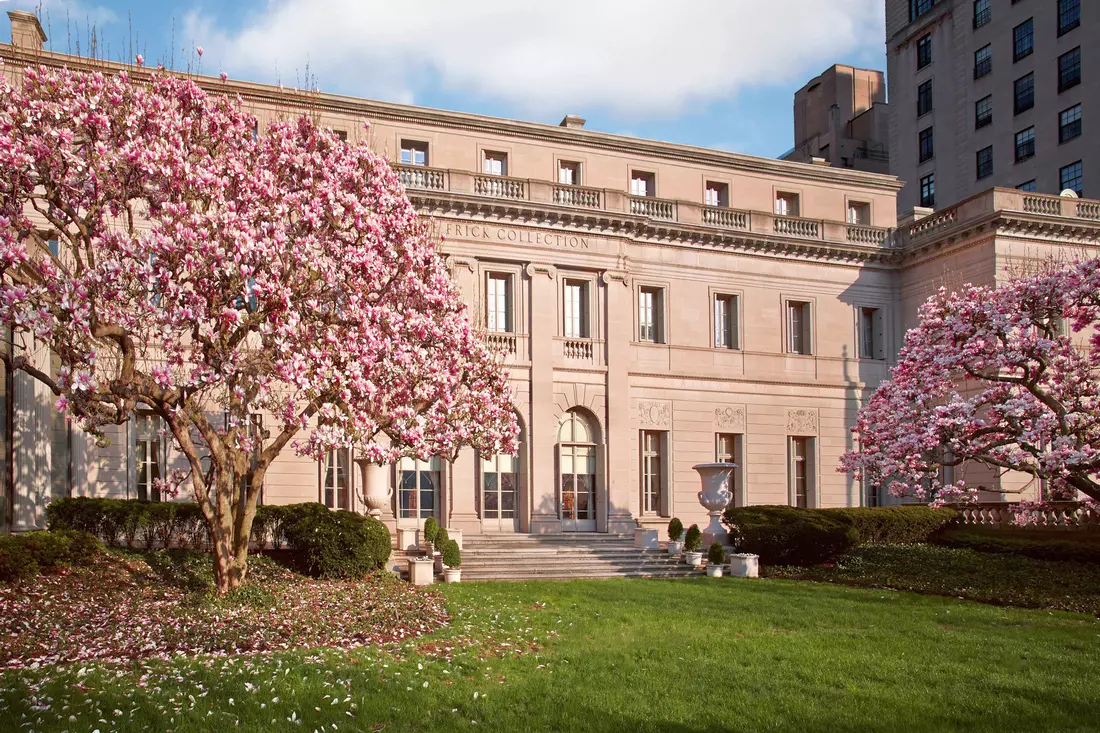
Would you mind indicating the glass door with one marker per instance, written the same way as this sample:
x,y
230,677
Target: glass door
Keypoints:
x,y
418,490
578,488
499,481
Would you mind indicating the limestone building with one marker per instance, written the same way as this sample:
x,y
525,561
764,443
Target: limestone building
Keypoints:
x,y
657,306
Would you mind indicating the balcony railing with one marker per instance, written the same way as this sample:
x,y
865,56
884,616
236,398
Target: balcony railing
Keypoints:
x,y
720,216
577,349
418,176
588,198
502,343
1042,205
794,227
500,187
859,234
653,207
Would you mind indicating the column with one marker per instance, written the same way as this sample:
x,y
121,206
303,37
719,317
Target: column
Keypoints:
x,y
544,310
463,484
622,498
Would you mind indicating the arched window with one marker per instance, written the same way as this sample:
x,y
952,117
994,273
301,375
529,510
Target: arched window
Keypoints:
x,y
577,456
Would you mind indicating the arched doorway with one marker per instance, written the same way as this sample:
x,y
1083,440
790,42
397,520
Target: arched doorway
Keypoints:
x,y
578,471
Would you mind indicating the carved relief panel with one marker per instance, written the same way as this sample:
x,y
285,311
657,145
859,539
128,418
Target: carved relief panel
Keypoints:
x,y
802,422
655,414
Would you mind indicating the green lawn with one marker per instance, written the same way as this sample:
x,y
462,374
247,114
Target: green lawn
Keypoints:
x,y
625,655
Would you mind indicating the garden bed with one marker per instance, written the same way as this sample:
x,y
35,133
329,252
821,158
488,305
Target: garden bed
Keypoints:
x,y
125,606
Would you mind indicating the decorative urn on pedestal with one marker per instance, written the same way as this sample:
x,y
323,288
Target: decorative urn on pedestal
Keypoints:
x,y
714,497
376,489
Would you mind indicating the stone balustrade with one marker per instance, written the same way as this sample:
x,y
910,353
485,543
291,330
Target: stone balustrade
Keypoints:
x,y
793,226
500,187
652,207
588,198
502,343
721,216
1049,515
412,176
859,234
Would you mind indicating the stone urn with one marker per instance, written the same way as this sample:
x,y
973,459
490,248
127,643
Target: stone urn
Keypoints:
x,y
376,489
693,559
714,497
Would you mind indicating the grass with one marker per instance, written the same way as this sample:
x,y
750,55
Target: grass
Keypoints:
x,y
622,655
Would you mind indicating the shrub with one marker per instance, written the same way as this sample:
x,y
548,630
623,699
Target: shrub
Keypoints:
x,y
338,544
16,561
894,525
24,555
83,546
452,556
431,528
716,554
675,529
48,549
694,539
160,520
442,537
267,526
784,535
191,529
81,513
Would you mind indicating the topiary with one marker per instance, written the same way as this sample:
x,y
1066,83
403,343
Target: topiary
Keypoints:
x,y
785,535
716,554
431,529
694,539
452,556
675,529
441,539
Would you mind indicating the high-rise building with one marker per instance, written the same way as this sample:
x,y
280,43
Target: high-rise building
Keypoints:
x,y
992,93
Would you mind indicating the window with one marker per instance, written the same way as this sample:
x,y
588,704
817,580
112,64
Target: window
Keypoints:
x,y
786,204
917,8
984,161
1025,144
149,451
926,147
983,61
716,194
859,212
419,483
650,315
577,471
924,51
495,164
924,98
1069,69
983,112
981,13
1069,123
725,321
569,173
1027,186
642,184
336,479
414,152
653,462
799,334
727,449
1023,40
499,478
498,303
928,191
1070,177
800,471
575,309
1023,93
872,340
54,246
1069,15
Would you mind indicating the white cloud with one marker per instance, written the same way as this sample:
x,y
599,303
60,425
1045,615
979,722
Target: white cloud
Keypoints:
x,y
627,56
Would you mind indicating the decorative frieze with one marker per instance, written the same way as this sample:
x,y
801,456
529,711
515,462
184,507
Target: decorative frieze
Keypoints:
x,y
655,415
730,419
802,422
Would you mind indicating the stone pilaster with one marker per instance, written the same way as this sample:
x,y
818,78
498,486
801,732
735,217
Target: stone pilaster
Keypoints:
x,y
544,503
622,499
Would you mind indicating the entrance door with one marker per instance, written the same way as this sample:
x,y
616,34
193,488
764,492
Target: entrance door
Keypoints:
x,y
577,455
418,490
499,483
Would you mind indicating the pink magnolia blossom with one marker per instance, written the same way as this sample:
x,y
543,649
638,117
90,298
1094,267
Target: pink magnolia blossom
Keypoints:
x,y
284,274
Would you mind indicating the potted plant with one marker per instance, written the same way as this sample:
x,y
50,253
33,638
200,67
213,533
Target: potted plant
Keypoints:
x,y
427,535
716,556
693,540
675,533
440,541
452,562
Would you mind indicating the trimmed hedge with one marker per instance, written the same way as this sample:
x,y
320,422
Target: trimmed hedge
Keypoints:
x,y
339,544
121,522
452,556
1067,546
785,535
24,555
894,525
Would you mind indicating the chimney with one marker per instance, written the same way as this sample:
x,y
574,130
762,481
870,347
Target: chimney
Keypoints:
x,y
26,31
572,121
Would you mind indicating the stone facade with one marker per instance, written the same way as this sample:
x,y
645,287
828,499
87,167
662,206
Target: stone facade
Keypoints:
x,y
656,305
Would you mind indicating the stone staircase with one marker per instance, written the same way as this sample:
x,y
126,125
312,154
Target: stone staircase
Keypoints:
x,y
565,557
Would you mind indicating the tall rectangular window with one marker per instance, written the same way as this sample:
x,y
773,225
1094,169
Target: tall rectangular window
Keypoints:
x,y
653,470
1023,40
928,191
872,342
981,13
575,309
1069,69
983,112
799,327
924,51
1069,123
1027,186
800,471
859,213
924,98
1071,177
786,204
984,160
419,486
336,478
1069,15
650,315
149,452
728,449
1025,144
414,152
725,321
495,164
1023,93
716,194
983,61
926,148
642,184
569,173
917,8
498,302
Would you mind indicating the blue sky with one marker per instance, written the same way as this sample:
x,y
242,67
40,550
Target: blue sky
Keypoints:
x,y
714,73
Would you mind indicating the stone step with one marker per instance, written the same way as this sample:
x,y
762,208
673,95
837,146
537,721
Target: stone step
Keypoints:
x,y
575,574
517,567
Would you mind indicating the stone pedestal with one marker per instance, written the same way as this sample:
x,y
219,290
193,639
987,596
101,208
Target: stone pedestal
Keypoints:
x,y
421,571
744,565
714,497
645,538
408,540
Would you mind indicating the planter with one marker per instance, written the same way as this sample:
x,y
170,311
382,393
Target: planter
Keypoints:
x,y
675,548
714,497
420,571
714,571
437,559
645,538
453,575
407,539
745,565
694,559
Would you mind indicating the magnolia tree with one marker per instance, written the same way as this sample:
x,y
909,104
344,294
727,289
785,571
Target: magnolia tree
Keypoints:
x,y
210,274
1005,377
